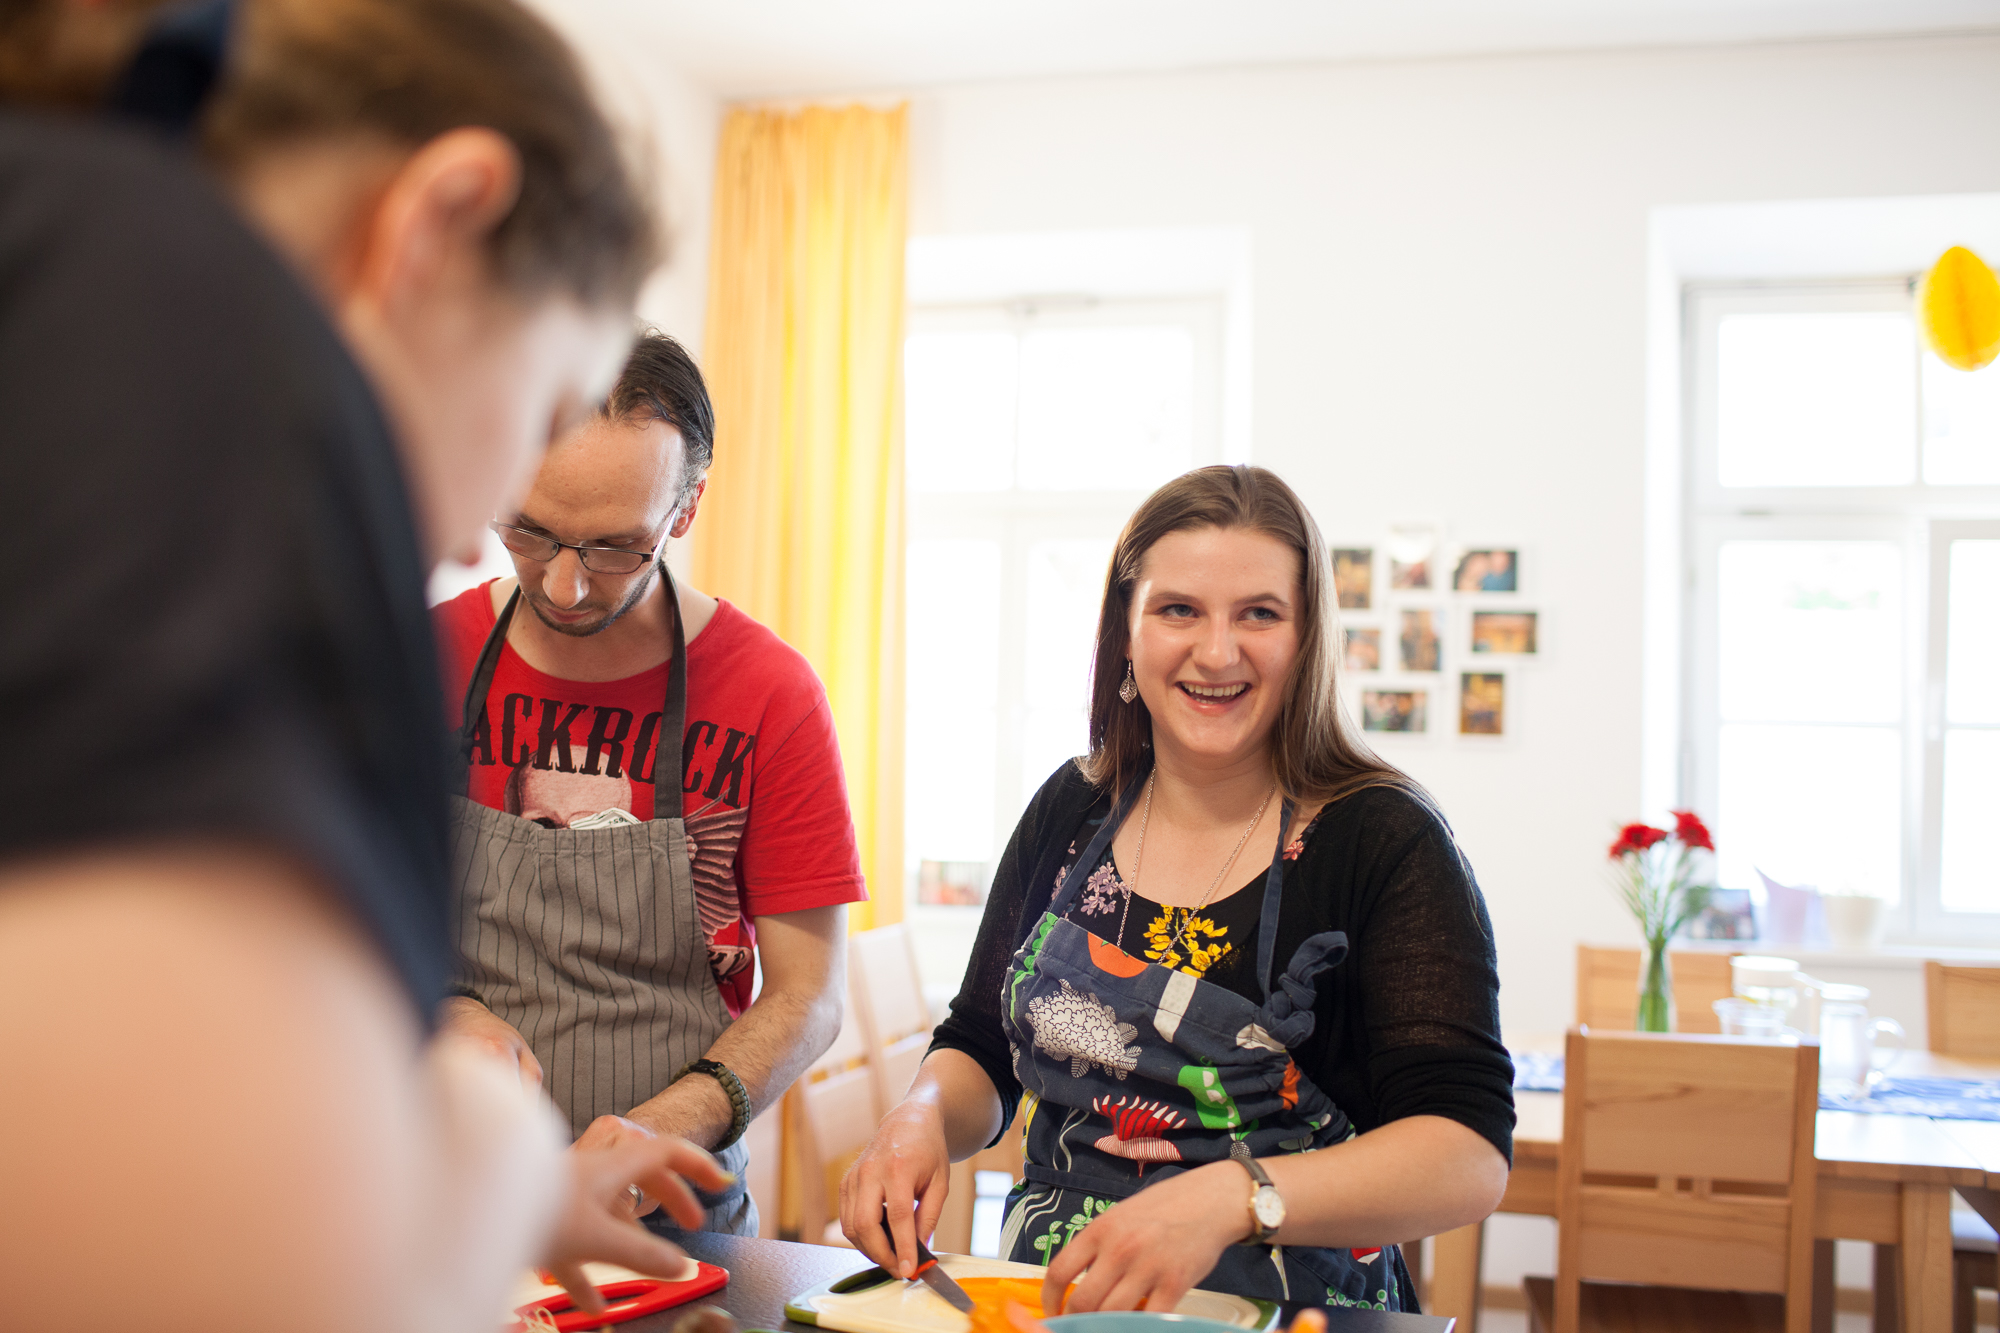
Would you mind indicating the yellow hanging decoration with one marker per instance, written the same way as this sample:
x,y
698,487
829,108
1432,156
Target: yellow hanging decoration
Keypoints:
x,y
1958,306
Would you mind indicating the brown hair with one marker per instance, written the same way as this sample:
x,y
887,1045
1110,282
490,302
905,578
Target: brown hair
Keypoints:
x,y
403,70
411,70
1315,755
53,54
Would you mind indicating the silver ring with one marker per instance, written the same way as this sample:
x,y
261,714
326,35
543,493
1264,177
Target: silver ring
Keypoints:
x,y
638,1197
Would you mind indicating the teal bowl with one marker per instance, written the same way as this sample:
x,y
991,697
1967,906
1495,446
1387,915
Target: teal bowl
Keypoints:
x,y
1136,1321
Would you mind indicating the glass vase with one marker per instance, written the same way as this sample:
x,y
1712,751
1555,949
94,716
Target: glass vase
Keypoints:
x,y
1656,992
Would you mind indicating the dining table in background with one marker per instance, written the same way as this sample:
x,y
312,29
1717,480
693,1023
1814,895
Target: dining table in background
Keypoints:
x,y
764,1274
1882,1178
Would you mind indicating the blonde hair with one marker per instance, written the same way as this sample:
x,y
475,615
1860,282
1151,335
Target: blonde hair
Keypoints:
x,y
1316,756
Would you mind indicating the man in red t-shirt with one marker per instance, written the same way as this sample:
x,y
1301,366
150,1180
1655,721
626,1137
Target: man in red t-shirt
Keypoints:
x,y
613,958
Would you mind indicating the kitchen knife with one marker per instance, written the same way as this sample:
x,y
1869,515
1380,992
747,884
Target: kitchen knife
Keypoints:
x,y
934,1276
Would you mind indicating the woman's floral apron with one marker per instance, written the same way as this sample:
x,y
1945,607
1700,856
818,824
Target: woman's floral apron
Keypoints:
x,y
1135,1072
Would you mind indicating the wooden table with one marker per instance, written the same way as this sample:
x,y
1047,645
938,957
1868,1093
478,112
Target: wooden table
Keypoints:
x,y
1882,1178
764,1274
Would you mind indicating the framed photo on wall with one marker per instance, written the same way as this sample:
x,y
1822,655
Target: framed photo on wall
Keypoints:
x,y
1395,710
1354,576
1509,633
1491,569
1418,642
1482,703
1363,650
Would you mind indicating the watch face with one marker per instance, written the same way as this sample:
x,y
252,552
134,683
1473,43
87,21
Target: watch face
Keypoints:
x,y
1269,1208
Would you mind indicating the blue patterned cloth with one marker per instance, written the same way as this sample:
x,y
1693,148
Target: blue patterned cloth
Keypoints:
x,y
1938,1098
1941,1098
1536,1072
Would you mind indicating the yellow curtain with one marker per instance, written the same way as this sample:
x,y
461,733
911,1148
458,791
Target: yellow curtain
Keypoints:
x,y
802,526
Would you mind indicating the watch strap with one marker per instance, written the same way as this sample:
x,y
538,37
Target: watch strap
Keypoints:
x,y
1260,1181
739,1096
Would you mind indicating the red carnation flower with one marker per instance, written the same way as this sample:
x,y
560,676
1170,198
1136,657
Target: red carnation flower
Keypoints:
x,y
1636,838
1691,831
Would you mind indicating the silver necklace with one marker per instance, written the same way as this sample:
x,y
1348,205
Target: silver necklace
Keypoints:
x,y
1139,860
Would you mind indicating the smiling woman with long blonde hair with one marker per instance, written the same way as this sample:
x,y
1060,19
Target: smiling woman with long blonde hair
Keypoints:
x,y
1233,964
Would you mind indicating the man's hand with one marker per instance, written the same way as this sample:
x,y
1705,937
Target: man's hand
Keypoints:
x,y
597,1222
464,1019
608,1131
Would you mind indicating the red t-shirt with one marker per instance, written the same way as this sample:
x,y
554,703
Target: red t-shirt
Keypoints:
x,y
763,793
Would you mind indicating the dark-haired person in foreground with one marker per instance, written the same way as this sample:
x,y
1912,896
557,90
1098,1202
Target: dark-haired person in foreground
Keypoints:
x,y
606,936
242,412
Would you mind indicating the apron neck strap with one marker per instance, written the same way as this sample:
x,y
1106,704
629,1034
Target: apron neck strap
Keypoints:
x,y
1274,894
667,750
668,767
1080,870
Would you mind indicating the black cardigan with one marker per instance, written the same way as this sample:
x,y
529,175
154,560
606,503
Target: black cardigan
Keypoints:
x,y
1408,1025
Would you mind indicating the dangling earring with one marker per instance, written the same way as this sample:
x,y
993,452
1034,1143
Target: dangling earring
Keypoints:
x,y
1128,690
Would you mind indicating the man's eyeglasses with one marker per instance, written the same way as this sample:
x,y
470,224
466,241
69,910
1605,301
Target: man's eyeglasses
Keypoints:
x,y
597,559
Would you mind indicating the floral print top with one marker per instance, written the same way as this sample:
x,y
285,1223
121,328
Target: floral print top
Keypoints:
x,y
1218,943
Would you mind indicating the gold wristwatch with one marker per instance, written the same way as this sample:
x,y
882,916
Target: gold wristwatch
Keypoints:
x,y
1267,1206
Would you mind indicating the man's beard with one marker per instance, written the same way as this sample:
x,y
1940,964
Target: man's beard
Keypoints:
x,y
586,629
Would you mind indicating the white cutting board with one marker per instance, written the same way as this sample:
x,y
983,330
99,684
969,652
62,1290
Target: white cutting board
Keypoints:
x,y
529,1287
912,1307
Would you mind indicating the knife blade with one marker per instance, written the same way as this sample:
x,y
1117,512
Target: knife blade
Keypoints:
x,y
933,1275
940,1281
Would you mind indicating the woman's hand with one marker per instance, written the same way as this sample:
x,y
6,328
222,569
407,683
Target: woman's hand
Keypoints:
x,y
1144,1253
597,1221
906,1165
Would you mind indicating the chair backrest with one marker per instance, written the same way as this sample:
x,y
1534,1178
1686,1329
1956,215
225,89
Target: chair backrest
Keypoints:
x,y
1963,1009
828,1122
1607,988
887,994
882,967
1687,1161
765,1175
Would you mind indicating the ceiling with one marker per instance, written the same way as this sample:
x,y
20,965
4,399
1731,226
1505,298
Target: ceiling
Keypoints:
x,y
775,48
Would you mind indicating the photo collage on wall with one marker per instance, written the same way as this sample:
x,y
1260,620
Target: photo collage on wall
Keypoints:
x,y
1433,634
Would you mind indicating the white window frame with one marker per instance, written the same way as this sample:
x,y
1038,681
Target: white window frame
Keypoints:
x,y
1920,519
1019,518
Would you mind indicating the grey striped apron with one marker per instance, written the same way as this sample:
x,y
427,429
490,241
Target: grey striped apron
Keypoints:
x,y
589,941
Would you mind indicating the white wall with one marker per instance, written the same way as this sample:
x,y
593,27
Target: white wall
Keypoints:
x,y
1450,320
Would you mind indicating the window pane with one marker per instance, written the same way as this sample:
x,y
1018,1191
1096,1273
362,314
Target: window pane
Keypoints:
x,y
1971,872
1811,805
952,700
1106,409
1816,400
1972,633
1961,425
1810,631
1065,592
958,410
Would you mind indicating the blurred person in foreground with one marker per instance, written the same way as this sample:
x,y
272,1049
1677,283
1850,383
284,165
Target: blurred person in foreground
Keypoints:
x,y
605,934
235,439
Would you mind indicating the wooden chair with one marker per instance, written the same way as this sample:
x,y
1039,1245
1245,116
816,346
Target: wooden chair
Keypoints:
x,y
829,1116
1962,1007
954,1229
1687,1166
1962,1010
887,995
1607,988
766,1141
